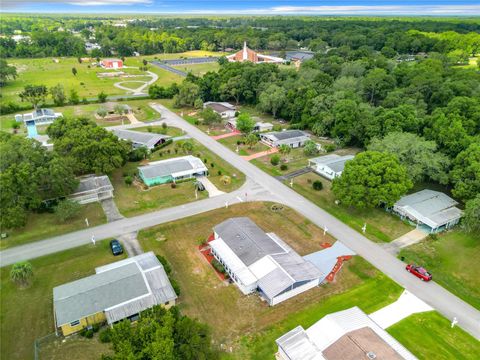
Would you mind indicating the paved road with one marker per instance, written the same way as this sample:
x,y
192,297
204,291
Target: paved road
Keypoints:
x,y
433,294
129,225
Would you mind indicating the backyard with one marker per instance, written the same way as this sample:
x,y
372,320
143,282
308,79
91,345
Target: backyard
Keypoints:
x,y
26,313
45,225
452,260
132,200
206,297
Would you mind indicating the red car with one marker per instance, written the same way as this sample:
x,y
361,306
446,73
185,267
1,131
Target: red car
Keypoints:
x,y
419,272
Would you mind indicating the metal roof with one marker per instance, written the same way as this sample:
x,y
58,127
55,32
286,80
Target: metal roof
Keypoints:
x,y
173,167
120,289
93,183
326,259
299,344
220,106
333,161
433,208
246,239
287,134
143,138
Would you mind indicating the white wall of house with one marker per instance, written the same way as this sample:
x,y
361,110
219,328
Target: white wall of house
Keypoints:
x,y
325,171
285,296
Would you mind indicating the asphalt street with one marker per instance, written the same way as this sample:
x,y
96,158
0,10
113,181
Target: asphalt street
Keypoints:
x,y
257,181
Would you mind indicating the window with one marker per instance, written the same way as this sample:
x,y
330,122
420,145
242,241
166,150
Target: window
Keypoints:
x,y
75,323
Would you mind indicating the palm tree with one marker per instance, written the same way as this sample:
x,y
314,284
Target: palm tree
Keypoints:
x,y
284,150
251,140
187,147
21,273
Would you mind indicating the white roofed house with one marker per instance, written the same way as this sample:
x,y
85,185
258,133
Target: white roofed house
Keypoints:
x,y
292,138
171,170
259,261
224,109
260,126
92,188
345,335
141,139
329,166
38,117
117,291
432,210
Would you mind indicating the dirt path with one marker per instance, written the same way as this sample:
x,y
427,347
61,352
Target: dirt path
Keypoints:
x,y
141,88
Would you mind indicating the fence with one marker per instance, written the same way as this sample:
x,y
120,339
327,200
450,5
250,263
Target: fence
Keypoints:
x,y
39,342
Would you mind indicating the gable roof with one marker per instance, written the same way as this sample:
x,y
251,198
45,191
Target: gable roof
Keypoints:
x,y
144,138
172,167
287,134
433,208
333,161
220,107
120,289
93,183
246,239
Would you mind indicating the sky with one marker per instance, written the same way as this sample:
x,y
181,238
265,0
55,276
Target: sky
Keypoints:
x,y
261,7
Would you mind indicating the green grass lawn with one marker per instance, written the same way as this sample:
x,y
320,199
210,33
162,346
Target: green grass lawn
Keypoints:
x,y
132,200
46,225
45,71
198,69
381,225
141,109
452,259
170,131
233,316
27,314
231,143
429,336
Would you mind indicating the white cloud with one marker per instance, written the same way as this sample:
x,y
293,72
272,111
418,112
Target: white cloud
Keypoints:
x,y
107,2
380,9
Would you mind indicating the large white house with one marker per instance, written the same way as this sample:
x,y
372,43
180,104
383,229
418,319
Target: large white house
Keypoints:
x,y
329,166
259,261
345,335
224,109
292,138
432,210
38,117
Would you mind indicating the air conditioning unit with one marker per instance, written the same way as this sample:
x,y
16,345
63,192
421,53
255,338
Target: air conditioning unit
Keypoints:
x,y
371,355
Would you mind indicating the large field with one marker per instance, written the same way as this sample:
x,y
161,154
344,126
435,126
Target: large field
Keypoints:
x,y
26,314
233,316
452,259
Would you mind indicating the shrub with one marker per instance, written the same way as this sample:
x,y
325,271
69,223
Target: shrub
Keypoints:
x,y
175,286
95,327
329,148
165,263
67,209
164,126
128,180
433,237
275,160
105,335
219,172
173,185
218,266
89,334
283,167
317,185
212,165
205,160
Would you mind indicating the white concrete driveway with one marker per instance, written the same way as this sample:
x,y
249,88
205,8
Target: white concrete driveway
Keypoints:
x,y
210,187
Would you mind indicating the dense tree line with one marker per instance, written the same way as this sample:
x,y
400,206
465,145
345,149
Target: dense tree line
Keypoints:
x,y
160,334
153,35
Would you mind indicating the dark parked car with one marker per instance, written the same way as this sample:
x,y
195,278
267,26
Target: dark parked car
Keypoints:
x,y
116,247
419,272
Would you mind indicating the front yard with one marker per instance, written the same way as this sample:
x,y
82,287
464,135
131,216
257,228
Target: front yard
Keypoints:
x,y
45,225
27,314
132,200
235,318
453,261
429,336
243,150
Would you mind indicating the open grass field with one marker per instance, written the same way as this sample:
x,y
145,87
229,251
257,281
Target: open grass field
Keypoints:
x,y
199,69
45,71
453,261
231,143
233,316
429,336
170,131
27,314
131,200
381,225
45,225
141,110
